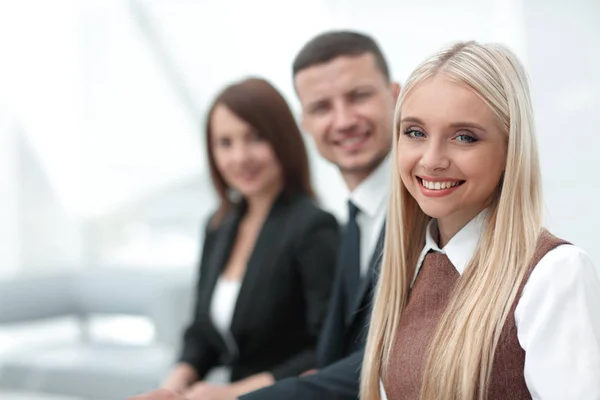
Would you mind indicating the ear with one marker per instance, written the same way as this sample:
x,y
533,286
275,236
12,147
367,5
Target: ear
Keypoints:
x,y
305,125
303,121
395,87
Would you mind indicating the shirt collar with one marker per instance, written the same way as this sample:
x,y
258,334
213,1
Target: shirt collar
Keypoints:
x,y
370,195
461,248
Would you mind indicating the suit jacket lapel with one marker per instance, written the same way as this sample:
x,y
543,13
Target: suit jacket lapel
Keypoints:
x,y
220,251
368,281
263,254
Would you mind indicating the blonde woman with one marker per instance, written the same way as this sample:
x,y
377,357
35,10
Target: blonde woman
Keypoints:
x,y
475,299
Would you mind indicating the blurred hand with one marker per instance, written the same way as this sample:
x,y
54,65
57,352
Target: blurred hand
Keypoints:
x,y
176,389
180,379
207,391
309,372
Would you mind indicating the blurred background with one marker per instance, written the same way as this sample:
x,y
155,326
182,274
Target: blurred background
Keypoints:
x,y
104,185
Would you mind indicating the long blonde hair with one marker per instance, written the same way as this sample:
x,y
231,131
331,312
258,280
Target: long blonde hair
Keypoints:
x,y
461,353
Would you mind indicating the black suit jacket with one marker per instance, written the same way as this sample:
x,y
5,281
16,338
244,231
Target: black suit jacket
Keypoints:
x,y
341,347
283,298
343,335
338,381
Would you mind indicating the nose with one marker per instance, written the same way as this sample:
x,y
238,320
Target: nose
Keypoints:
x,y
239,153
344,118
435,157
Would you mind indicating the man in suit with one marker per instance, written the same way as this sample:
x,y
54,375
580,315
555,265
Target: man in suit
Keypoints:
x,y
343,83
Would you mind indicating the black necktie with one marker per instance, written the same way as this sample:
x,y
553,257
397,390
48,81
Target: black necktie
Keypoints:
x,y
350,254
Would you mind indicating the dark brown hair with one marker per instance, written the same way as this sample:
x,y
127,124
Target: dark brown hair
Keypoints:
x,y
330,45
259,104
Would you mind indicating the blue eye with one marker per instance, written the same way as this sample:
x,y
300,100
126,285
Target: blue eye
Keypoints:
x,y
413,133
466,138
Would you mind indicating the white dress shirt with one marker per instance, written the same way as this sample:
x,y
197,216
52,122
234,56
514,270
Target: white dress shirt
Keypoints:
x,y
223,303
371,199
557,316
222,307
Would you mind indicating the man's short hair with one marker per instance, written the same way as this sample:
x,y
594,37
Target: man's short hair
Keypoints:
x,y
330,45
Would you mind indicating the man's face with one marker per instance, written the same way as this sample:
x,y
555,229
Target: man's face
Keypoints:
x,y
348,109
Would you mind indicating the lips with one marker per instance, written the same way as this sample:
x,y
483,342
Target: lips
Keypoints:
x,y
247,175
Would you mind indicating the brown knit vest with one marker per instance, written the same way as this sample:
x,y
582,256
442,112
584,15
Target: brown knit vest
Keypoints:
x,y
427,301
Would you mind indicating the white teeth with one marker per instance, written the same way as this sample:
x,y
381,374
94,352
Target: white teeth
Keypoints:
x,y
439,185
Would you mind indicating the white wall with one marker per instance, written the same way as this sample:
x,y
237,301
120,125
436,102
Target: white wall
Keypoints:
x,y
563,47
9,207
138,134
39,161
40,80
36,233
50,235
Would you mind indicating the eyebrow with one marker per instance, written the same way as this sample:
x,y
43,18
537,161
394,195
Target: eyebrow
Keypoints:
x,y
465,124
364,86
414,120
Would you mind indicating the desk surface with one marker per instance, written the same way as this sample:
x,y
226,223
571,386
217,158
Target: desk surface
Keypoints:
x,y
23,395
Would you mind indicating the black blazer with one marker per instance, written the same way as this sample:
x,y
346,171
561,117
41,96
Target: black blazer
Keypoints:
x,y
340,349
283,298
